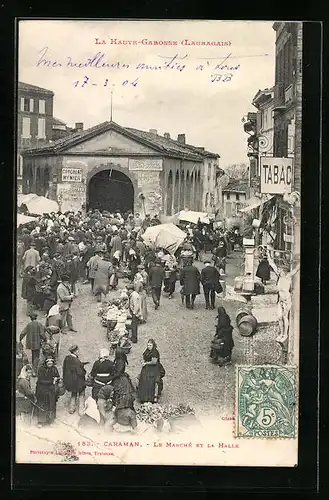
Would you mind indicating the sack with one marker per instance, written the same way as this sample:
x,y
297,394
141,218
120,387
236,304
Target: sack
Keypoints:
x,y
218,287
162,370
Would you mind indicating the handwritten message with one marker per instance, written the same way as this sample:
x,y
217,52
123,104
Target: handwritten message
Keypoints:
x,y
221,70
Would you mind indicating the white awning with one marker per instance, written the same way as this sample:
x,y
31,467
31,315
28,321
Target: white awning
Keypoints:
x,y
256,202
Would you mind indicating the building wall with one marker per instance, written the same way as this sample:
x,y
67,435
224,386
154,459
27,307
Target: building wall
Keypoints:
x,y
182,181
232,202
210,194
32,116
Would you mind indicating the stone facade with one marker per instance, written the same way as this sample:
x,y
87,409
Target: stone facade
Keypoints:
x,y
161,183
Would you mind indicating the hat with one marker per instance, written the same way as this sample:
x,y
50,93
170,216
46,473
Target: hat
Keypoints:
x,y
73,348
32,244
140,266
65,277
70,238
33,315
130,286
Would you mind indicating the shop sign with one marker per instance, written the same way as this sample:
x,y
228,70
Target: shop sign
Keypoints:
x,y
72,175
276,175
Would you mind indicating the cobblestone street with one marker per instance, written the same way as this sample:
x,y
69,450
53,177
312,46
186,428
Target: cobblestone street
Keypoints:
x,y
183,337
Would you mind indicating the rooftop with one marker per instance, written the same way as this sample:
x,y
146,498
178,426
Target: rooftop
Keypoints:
x,y
237,186
34,88
162,144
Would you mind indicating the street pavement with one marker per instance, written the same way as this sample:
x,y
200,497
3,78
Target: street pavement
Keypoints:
x,y
183,338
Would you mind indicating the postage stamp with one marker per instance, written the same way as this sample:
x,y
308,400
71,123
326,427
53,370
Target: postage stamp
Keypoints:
x,y
266,401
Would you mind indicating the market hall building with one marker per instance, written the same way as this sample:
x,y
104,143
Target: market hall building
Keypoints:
x,y
112,168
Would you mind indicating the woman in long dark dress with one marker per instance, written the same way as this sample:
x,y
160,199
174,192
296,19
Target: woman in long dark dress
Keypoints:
x,y
150,383
46,392
222,343
264,269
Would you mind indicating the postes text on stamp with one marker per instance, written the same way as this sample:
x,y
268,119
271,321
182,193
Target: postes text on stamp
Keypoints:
x,y
266,402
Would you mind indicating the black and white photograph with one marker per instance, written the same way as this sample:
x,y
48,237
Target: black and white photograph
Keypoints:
x,y
158,242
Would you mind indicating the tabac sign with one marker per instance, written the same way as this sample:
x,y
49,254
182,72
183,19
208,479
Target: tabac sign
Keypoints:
x,y
276,175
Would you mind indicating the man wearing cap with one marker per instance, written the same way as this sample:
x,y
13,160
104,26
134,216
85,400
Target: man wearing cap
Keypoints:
x,y
156,277
74,379
31,257
210,281
134,309
64,301
101,372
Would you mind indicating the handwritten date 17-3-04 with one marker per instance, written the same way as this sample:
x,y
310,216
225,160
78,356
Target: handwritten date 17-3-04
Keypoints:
x,y
86,81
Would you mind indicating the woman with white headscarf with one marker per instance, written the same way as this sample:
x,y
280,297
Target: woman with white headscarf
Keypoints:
x,y
25,397
91,416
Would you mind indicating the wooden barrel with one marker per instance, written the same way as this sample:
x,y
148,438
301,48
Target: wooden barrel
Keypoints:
x,y
243,311
247,325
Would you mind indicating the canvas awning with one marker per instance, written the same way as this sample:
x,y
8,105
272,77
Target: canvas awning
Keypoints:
x,y
190,216
24,219
166,236
255,203
37,204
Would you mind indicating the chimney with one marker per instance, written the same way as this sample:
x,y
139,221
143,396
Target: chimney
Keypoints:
x,y
154,131
166,135
79,127
181,138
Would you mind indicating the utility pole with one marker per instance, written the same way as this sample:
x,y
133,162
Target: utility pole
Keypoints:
x,y
111,115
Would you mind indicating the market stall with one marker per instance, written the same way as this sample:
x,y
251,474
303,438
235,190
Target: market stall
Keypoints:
x,y
167,236
24,219
37,204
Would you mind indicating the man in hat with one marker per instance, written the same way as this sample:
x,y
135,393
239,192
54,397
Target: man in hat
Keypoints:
x,y
92,266
35,335
210,281
134,309
31,257
190,280
64,301
156,277
74,379
115,244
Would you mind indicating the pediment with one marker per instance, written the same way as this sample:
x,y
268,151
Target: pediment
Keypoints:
x,y
110,141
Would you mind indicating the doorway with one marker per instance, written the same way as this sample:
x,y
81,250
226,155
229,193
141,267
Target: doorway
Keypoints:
x,y
110,190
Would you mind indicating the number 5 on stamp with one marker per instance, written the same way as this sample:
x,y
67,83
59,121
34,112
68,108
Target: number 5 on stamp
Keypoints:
x,y
266,402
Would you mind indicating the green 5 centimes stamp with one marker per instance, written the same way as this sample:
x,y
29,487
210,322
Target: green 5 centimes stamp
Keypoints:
x,y
266,402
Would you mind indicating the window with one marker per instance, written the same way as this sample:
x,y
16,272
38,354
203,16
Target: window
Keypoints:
x,y
228,196
237,196
41,128
42,106
22,103
31,105
20,166
26,128
26,104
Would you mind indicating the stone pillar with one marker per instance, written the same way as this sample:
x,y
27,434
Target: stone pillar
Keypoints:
x,y
179,190
192,197
249,246
173,193
34,178
182,195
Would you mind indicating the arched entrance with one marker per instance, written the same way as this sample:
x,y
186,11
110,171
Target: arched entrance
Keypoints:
x,y
110,190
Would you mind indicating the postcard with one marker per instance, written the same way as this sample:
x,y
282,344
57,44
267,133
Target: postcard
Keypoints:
x,y
158,242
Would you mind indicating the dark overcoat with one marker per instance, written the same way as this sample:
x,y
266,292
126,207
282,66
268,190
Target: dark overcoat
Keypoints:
x,y
190,280
73,374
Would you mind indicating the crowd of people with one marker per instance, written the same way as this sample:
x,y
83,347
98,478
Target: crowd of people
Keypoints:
x,y
57,251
